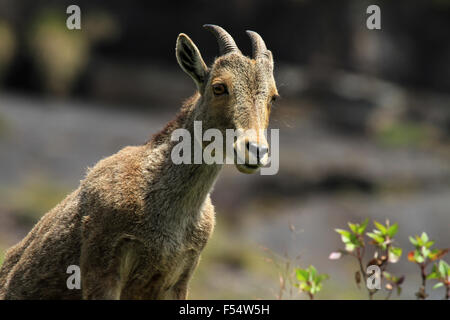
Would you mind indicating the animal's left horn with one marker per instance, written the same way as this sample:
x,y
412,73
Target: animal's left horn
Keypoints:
x,y
258,45
226,42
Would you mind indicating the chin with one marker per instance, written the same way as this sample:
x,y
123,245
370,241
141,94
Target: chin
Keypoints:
x,y
248,169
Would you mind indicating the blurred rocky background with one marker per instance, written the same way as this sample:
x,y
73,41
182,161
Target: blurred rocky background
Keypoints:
x,y
364,123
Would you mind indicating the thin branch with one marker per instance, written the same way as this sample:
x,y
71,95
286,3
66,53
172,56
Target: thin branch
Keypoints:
x,y
421,295
447,291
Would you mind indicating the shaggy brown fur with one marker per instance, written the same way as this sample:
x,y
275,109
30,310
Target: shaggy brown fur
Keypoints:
x,y
137,223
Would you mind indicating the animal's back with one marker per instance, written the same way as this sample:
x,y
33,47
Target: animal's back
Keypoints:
x,y
35,268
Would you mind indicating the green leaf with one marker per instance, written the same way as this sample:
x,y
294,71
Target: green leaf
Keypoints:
x,y
418,257
353,227
425,252
378,239
424,237
305,287
413,241
429,244
345,235
438,285
312,272
380,227
396,251
419,241
354,239
302,275
343,232
435,268
392,230
443,268
350,247
363,226
394,254
447,267
434,274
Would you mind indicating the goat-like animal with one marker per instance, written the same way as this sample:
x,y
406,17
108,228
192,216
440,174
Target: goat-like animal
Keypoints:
x,y
137,223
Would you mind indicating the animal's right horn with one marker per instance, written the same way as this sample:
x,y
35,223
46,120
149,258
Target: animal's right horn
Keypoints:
x,y
258,45
226,42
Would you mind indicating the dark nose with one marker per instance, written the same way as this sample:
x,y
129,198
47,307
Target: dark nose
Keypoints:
x,y
257,150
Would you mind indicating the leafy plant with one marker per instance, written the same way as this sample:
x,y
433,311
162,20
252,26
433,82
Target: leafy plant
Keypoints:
x,y
286,272
293,280
309,280
382,240
422,255
393,282
441,272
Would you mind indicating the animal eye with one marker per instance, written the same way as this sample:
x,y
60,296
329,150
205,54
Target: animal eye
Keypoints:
x,y
272,100
219,89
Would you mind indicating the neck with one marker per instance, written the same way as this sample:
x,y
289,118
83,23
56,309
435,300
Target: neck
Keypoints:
x,y
186,186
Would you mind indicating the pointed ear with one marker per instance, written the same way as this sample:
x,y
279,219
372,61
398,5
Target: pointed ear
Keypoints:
x,y
190,60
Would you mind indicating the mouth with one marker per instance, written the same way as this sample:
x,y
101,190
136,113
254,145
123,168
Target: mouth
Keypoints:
x,y
247,168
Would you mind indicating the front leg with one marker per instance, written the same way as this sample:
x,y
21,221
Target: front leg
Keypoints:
x,y
105,277
98,286
181,288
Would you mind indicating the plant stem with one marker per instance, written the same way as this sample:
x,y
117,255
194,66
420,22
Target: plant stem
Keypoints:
x,y
424,281
424,275
447,291
363,272
359,258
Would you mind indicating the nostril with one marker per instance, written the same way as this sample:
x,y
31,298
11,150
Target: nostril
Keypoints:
x,y
252,147
258,151
263,150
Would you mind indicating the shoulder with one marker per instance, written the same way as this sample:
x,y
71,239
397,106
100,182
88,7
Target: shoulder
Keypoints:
x,y
117,181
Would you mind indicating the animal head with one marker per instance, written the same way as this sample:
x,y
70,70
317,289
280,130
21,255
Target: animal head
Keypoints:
x,y
237,92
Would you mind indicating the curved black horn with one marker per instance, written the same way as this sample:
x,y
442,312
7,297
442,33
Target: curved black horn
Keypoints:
x,y
258,45
226,42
